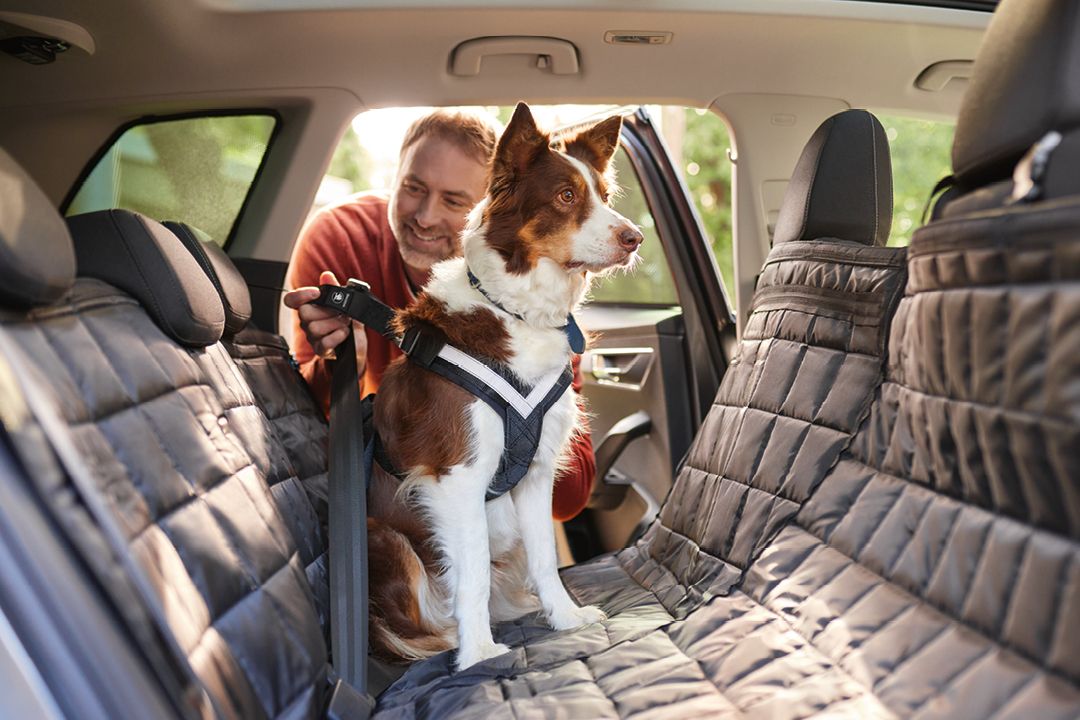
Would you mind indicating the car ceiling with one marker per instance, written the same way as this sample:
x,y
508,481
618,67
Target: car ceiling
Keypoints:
x,y
867,52
319,62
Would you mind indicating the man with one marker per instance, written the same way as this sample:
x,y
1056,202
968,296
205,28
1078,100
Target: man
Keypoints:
x,y
392,243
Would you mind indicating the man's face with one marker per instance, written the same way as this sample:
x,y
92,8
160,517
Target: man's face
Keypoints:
x,y
437,186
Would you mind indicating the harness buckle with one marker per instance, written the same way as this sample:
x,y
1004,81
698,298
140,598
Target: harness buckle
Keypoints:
x,y
422,344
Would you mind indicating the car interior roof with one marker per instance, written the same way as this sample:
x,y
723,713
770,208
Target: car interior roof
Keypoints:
x,y
167,48
317,63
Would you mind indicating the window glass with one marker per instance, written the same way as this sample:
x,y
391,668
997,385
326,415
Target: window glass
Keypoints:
x,y
920,157
195,170
650,283
698,143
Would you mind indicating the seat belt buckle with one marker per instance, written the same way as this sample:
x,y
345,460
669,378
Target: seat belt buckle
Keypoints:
x,y
348,703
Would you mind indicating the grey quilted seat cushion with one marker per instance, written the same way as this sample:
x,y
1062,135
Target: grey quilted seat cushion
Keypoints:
x,y
298,441
927,567
183,454
789,403
939,563
680,640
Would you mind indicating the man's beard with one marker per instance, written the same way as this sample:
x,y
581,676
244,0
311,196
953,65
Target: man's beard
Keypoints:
x,y
418,257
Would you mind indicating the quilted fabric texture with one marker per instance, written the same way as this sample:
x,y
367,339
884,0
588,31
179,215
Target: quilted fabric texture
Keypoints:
x,y
298,441
926,567
879,518
680,640
186,458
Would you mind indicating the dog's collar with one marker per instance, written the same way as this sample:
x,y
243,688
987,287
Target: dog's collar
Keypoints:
x,y
573,333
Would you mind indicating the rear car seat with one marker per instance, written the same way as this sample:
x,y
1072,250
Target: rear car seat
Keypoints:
x,y
928,566
800,384
296,425
879,517
128,356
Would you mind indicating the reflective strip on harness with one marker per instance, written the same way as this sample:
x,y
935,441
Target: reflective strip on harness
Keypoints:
x,y
522,410
523,405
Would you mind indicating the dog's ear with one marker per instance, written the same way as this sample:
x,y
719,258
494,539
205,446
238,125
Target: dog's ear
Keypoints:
x,y
597,145
520,144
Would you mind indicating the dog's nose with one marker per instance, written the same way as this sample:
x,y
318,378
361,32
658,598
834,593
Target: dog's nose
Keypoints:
x,y
630,238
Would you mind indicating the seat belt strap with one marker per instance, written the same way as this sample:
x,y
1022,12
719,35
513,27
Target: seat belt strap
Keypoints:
x,y
347,501
356,300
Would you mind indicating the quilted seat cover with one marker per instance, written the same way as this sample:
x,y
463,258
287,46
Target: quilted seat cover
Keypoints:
x,y
204,490
682,640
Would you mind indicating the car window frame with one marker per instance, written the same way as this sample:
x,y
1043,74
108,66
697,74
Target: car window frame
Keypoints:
x,y
703,302
153,119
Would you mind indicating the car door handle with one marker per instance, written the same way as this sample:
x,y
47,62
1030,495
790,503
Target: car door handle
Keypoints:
x,y
625,367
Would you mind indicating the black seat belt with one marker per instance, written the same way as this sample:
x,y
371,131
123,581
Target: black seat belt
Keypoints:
x,y
347,501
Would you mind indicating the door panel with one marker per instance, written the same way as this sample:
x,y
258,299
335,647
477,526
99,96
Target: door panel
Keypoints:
x,y
660,346
637,364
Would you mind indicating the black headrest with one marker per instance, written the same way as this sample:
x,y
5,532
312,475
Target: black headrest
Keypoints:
x,y
1025,84
148,262
842,184
227,280
37,263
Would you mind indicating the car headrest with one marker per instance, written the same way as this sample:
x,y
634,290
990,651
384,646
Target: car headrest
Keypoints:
x,y
37,262
148,262
842,184
1024,85
227,280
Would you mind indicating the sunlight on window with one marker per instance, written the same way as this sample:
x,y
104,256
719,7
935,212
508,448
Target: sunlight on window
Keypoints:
x,y
697,139
367,157
920,157
198,170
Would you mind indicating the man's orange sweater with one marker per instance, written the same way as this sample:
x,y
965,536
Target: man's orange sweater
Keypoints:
x,y
354,240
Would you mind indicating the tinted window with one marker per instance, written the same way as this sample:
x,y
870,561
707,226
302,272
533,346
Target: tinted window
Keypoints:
x,y
698,142
196,170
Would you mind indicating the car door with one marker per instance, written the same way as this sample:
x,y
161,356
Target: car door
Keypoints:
x,y
654,366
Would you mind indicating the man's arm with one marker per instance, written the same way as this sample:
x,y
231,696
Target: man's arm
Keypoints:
x,y
321,256
574,485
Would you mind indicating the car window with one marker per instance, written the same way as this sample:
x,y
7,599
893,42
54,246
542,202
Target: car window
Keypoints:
x,y
650,283
920,157
698,142
198,170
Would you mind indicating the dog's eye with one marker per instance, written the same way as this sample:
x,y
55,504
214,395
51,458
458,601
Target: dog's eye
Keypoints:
x,y
567,196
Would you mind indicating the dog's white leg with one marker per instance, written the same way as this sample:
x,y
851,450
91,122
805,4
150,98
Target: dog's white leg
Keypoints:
x,y
532,500
455,506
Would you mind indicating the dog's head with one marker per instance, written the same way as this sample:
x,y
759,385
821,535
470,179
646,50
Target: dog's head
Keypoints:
x,y
553,203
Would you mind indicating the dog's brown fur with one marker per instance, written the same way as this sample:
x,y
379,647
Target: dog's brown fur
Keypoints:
x,y
537,200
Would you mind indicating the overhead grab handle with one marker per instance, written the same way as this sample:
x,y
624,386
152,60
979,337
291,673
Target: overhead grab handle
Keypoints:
x,y
557,56
935,77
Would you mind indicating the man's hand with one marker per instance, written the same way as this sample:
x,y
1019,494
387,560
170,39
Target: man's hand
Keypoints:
x,y
325,328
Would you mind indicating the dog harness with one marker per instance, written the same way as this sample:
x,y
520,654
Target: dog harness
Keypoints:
x,y
521,408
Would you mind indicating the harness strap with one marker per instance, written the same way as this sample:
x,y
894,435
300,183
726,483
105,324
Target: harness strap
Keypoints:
x,y
522,409
522,416
355,300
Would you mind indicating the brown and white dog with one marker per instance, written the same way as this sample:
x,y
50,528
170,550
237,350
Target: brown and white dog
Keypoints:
x,y
443,562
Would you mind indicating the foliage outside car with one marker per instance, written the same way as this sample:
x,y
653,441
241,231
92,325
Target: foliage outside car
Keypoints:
x,y
920,157
202,168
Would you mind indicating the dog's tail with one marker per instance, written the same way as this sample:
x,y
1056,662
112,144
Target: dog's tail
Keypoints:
x,y
410,617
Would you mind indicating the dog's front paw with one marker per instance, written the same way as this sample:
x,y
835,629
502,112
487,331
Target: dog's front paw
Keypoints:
x,y
575,616
467,657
